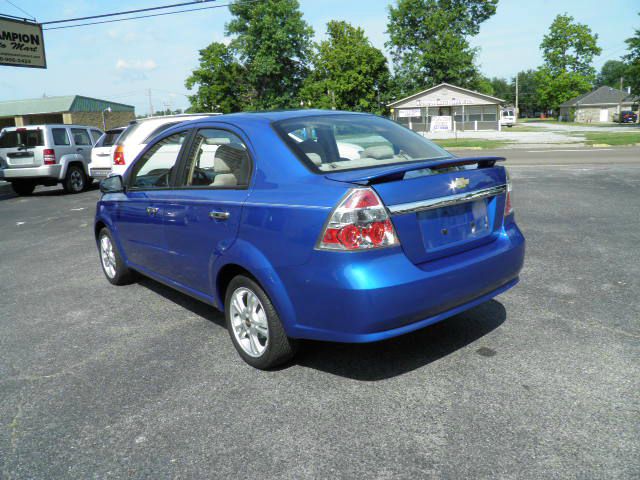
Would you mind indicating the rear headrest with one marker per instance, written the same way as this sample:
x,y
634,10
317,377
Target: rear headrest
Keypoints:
x,y
216,141
312,150
378,152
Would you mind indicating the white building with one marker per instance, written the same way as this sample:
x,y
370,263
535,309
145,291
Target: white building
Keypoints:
x,y
447,107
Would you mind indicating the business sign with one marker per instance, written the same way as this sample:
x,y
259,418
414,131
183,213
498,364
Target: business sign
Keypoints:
x,y
447,102
409,113
21,44
440,124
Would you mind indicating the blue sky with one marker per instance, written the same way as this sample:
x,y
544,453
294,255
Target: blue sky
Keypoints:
x,y
120,61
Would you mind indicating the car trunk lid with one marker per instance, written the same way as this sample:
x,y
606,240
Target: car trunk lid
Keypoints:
x,y
437,208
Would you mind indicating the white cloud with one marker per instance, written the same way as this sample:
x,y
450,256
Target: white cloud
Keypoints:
x,y
136,65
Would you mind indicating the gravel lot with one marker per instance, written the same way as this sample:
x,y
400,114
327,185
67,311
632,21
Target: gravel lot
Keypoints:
x,y
99,381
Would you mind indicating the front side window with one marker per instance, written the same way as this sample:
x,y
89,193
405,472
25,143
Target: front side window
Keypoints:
x,y
80,136
60,136
344,142
155,168
218,159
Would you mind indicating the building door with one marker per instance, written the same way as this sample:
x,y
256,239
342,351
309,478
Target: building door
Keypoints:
x,y
604,115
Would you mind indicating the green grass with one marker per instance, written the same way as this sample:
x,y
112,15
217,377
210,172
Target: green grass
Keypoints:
x,y
612,138
471,143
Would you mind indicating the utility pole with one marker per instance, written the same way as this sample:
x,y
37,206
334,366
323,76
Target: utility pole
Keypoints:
x,y
517,111
621,98
150,104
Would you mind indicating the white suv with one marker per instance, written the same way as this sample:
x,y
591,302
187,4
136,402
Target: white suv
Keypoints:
x,y
133,140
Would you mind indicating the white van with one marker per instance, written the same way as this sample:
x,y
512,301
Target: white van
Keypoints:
x,y
507,117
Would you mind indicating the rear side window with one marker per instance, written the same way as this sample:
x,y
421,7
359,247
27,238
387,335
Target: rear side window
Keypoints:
x,y
80,136
122,140
218,159
96,134
21,138
60,136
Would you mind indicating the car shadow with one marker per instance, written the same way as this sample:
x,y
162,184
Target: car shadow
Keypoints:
x,y
400,355
197,307
372,361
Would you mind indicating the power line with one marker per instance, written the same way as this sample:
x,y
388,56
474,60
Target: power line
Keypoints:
x,y
183,4
141,16
22,10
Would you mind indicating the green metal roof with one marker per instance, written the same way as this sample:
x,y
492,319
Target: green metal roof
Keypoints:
x,y
68,103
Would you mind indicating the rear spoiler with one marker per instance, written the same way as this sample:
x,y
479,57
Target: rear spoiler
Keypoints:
x,y
368,176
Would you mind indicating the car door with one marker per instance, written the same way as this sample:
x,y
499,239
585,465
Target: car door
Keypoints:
x,y
82,142
203,218
140,215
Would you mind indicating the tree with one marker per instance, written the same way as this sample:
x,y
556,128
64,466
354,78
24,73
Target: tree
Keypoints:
x,y
504,89
568,50
570,47
611,73
528,100
633,61
428,41
349,73
273,43
219,80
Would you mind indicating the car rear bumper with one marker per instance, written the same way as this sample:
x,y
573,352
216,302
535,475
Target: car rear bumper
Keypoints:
x,y
17,173
99,173
344,298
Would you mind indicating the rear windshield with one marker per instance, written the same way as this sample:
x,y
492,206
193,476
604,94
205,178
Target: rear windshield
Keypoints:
x,y
21,138
329,143
109,138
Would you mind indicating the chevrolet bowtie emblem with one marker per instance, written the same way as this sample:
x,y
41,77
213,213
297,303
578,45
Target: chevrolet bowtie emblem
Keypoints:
x,y
459,183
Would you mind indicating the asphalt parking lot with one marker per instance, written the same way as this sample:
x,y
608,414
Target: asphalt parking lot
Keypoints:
x,y
98,381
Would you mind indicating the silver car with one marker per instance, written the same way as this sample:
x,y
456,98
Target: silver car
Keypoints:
x,y
47,155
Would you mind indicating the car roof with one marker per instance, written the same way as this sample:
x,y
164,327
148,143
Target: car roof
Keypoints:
x,y
50,125
270,116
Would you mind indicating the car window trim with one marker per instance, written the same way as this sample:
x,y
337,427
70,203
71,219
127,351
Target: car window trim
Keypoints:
x,y
179,161
184,166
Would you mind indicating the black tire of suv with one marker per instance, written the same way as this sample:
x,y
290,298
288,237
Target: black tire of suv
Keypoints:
x,y
23,187
280,348
123,275
69,185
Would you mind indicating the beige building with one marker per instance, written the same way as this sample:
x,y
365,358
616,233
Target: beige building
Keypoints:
x,y
447,107
71,109
598,106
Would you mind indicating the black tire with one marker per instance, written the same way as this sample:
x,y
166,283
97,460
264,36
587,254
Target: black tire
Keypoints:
x,y
75,181
122,275
279,348
23,188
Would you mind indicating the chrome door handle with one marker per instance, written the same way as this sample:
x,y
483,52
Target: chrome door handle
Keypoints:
x,y
215,215
152,210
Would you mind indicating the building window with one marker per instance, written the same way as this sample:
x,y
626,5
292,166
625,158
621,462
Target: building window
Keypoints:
x,y
489,113
474,114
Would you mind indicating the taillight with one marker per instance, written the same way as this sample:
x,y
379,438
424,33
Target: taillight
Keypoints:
x,y
359,222
118,156
49,156
508,207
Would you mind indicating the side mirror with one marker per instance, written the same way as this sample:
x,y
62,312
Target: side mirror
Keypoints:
x,y
112,184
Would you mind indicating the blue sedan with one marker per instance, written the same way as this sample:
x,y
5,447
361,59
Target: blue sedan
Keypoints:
x,y
311,224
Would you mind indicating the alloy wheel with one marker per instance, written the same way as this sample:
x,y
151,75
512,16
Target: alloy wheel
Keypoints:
x,y
249,322
108,256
